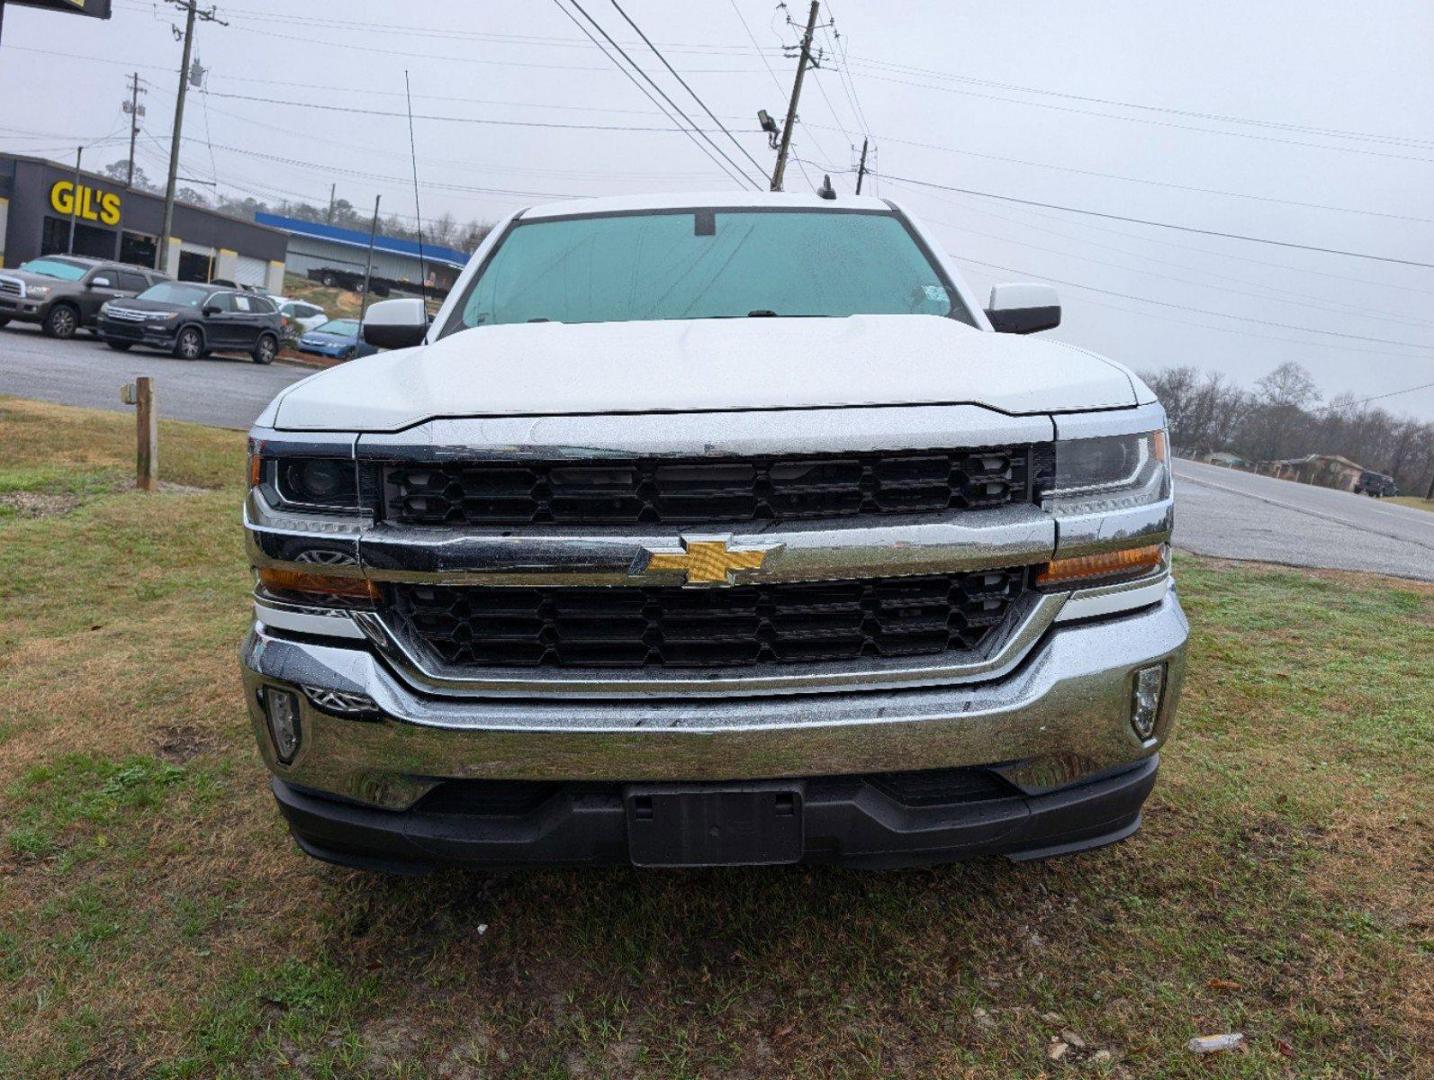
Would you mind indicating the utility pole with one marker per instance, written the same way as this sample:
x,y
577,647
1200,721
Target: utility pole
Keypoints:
x,y
135,110
368,270
191,14
333,190
802,61
75,198
861,169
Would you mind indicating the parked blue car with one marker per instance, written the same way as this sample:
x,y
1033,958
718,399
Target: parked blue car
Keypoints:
x,y
337,338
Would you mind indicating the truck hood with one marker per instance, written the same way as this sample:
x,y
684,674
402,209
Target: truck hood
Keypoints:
x,y
703,365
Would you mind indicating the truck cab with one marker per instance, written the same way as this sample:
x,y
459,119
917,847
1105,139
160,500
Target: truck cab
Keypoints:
x,y
708,530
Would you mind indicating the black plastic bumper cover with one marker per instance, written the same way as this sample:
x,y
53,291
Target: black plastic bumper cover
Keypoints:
x,y
844,820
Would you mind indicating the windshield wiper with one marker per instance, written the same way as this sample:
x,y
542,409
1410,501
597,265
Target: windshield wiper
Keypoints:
x,y
762,313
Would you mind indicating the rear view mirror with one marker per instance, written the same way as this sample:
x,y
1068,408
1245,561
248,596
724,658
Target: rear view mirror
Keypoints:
x,y
101,283
1023,308
212,309
396,324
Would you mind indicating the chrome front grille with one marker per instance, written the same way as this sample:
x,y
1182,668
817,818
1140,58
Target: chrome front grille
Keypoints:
x,y
653,628
126,314
730,491
11,287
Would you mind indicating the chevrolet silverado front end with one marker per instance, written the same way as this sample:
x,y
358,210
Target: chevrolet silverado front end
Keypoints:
x,y
705,532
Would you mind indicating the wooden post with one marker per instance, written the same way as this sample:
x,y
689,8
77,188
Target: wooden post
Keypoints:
x,y
146,435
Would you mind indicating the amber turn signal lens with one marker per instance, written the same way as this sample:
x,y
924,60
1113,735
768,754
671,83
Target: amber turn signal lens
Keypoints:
x,y
256,469
1133,562
325,585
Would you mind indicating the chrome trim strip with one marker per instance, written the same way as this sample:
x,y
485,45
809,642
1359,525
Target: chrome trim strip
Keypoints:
x,y
708,434
327,543
276,614
1095,425
1095,534
1109,599
966,540
1032,615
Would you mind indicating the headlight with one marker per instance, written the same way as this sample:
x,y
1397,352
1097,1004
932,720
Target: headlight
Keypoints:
x,y
39,292
1115,472
162,316
326,482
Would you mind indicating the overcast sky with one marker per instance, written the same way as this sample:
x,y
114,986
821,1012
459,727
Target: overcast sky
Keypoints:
x,y
1340,96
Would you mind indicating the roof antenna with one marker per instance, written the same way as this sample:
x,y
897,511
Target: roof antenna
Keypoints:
x,y
417,209
826,191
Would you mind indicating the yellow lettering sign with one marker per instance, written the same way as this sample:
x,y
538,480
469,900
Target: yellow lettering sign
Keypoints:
x,y
86,202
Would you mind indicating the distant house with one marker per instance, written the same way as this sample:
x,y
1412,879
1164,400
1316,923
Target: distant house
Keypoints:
x,y
1321,470
338,256
1226,460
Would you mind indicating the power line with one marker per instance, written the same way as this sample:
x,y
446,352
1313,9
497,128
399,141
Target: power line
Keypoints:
x,y
1163,224
1201,311
1155,183
636,67
1322,302
1162,242
1374,397
1144,120
648,94
1308,302
684,84
1195,114
359,111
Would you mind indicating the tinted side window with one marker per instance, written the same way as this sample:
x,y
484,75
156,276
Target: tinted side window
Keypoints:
x,y
241,303
223,301
261,305
132,282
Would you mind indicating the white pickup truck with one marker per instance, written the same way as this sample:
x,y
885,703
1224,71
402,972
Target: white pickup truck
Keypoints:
x,y
708,530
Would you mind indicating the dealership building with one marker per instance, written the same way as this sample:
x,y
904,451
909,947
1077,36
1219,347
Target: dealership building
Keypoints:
x,y
40,202
338,256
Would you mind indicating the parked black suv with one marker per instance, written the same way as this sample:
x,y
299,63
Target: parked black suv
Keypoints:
x,y
65,292
191,320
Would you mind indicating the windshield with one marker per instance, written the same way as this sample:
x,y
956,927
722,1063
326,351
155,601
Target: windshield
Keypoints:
x,y
707,264
340,327
173,292
55,268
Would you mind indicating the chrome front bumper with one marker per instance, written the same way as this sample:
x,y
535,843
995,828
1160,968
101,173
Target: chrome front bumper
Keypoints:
x,y
1062,715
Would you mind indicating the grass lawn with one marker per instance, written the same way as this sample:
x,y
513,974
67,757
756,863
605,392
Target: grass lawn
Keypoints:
x,y
1416,501
155,919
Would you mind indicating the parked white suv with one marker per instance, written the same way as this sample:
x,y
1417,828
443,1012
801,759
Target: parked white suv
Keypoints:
x,y
709,530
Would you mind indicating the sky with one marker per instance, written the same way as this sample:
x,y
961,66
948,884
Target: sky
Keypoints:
x,y
1311,124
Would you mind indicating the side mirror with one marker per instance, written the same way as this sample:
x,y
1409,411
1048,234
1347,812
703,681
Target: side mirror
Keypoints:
x,y
1023,308
100,283
396,324
212,309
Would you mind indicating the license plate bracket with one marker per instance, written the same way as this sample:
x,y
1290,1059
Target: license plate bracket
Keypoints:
x,y
697,825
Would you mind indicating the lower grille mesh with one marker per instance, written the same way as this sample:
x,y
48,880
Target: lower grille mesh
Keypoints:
x,y
673,627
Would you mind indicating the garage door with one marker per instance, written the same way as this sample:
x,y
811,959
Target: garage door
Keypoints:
x,y
251,271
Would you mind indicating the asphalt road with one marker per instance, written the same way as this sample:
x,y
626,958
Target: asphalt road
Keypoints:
x,y
223,391
1237,515
1219,512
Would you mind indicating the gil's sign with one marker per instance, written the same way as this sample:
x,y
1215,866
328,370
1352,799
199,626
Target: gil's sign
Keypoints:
x,y
85,202
99,9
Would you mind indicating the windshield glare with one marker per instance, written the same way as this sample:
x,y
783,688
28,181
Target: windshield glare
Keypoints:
x,y
341,327
55,268
173,292
707,264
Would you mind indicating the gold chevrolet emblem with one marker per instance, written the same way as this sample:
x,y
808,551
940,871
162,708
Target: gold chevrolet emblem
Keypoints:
x,y
709,562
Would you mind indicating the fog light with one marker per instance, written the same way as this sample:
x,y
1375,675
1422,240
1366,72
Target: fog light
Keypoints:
x,y
1145,708
281,709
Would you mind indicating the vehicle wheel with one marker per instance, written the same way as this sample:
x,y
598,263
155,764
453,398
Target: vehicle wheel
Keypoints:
x,y
119,346
328,281
265,349
62,322
190,344
4,322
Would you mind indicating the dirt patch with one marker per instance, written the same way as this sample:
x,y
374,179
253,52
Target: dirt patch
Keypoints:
x,y
34,504
179,743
